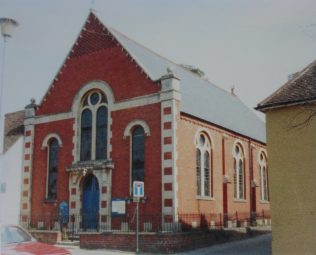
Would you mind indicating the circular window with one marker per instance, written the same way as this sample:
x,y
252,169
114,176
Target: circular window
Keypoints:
x,y
94,98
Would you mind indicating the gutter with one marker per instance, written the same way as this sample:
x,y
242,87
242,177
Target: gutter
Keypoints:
x,y
223,128
264,108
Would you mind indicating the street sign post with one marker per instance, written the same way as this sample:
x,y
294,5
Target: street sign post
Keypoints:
x,y
138,192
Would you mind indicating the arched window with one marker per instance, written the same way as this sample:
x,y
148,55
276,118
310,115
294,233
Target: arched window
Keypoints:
x,y
138,154
263,177
101,132
94,124
203,166
239,177
86,133
198,171
52,169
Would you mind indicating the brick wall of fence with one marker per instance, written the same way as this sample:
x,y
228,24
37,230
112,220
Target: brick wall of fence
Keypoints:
x,y
46,236
157,233
163,242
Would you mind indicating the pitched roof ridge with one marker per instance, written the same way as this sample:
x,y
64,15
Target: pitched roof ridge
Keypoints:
x,y
286,85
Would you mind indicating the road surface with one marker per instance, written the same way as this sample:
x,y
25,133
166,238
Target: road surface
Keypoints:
x,y
260,245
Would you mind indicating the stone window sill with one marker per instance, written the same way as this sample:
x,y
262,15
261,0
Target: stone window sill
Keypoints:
x,y
49,201
206,198
240,200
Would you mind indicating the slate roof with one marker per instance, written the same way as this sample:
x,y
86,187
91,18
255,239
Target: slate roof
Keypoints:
x,y
300,89
200,98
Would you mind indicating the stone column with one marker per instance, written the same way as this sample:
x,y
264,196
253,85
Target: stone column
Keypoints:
x,y
170,100
26,190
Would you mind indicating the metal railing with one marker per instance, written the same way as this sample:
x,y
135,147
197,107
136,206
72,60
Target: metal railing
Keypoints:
x,y
73,224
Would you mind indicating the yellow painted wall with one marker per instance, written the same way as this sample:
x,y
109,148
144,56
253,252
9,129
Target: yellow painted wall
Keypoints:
x,y
292,174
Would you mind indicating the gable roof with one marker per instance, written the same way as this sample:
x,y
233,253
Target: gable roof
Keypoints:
x,y
200,98
300,89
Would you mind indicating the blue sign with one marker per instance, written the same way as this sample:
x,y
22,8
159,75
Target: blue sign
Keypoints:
x,y
63,212
138,189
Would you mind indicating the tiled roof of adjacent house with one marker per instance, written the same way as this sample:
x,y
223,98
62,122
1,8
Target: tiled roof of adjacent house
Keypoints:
x,y
13,128
298,90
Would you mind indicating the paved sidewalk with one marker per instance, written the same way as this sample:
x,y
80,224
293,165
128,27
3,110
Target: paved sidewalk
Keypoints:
x,y
260,245
78,251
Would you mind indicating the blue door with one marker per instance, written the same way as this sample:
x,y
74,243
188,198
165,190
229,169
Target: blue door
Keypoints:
x,y
90,203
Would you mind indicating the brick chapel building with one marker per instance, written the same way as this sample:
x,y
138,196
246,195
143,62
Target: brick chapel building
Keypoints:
x,y
117,112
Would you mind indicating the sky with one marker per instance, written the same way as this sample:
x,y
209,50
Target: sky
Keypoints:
x,y
252,45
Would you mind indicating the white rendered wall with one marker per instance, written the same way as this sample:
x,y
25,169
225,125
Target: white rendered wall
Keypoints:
x,y
10,174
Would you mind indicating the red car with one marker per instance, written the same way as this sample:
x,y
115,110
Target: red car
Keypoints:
x,y
17,241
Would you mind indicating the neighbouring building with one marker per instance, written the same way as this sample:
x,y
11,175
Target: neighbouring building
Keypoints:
x,y
11,161
291,138
117,112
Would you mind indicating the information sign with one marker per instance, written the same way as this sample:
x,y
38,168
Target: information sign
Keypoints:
x,y
138,189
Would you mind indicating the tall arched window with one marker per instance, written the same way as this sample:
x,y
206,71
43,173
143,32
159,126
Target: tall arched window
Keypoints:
x,y
239,177
101,132
263,177
94,124
86,134
203,166
138,154
52,169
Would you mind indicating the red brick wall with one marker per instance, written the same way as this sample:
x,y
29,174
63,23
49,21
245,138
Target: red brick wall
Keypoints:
x,y
161,243
47,236
98,58
121,155
39,175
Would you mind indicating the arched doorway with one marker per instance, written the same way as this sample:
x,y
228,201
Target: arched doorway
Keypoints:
x,y
90,202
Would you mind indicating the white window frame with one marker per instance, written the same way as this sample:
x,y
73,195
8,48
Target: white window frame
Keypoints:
x,y
206,147
264,194
128,133
76,109
47,168
94,109
237,157
45,144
